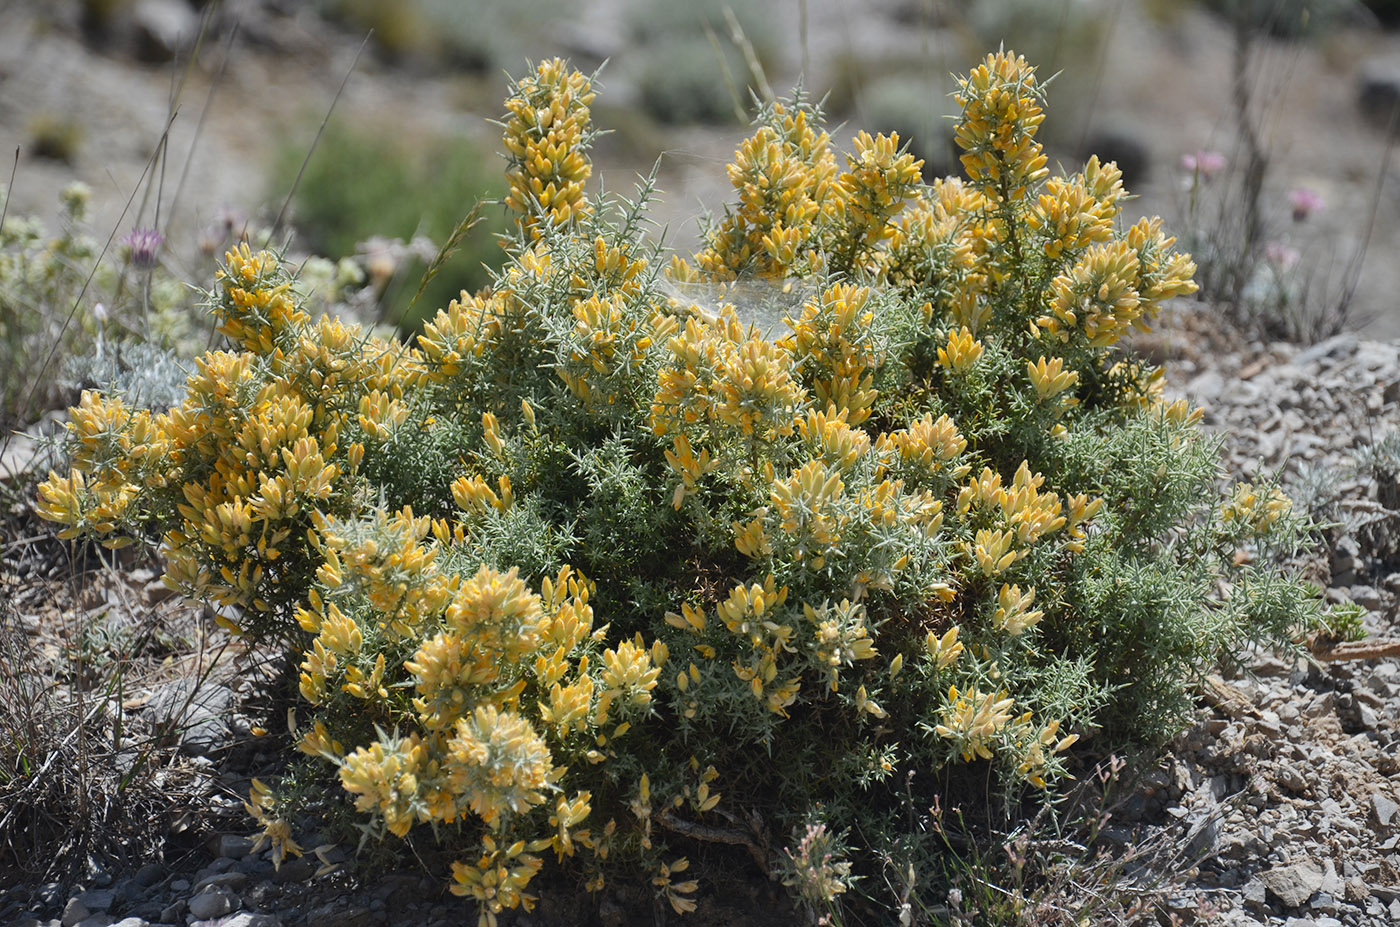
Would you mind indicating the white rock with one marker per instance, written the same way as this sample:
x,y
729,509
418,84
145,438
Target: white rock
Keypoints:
x,y
1293,885
1384,809
248,919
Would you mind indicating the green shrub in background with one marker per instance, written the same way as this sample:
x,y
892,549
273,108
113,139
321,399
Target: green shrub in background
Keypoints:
x,y
59,304
904,104
40,278
1066,37
493,34
594,572
362,182
692,69
55,136
1287,19
690,80
652,20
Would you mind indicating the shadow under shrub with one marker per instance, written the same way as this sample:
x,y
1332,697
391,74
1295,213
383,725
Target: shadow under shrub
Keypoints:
x,y
690,584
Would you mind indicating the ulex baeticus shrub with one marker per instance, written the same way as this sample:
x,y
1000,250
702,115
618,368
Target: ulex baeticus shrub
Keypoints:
x,y
593,552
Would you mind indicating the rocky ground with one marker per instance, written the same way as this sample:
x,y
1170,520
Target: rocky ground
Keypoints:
x,y
1287,785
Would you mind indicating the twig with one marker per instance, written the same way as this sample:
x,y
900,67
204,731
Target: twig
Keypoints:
x,y
728,78
4,209
282,213
448,248
736,33
78,300
1352,274
1356,650
708,833
203,115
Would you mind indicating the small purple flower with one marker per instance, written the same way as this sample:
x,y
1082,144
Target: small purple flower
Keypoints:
x,y
144,245
1305,202
1205,163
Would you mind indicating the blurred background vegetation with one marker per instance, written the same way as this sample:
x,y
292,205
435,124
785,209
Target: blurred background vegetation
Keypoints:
x,y
361,182
410,150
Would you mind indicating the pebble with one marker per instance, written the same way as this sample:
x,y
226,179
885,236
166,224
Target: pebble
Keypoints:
x,y
231,880
1384,809
97,901
215,901
149,875
73,912
234,846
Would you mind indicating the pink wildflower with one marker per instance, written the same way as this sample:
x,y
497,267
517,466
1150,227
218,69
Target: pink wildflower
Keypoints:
x,y
1280,255
1205,163
1305,202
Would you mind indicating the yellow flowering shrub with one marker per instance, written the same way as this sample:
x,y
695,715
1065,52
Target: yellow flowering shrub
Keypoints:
x,y
561,577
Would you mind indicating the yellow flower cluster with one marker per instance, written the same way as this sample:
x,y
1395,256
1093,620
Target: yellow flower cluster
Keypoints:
x,y
546,133
1020,514
1075,213
1255,510
833,334
676,893
1014,614
929,445
829,437
841,638
491,654
786,179
722,379
612,333
1118,285
497,762
599,353
116,453
1098,294
807,507
798,213
260,433
498,877
813,518
945,650
941,247
276,831
1036,747
971,719
458,336
384,778
879,180
962,351
1050,379
255,305
1001,114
